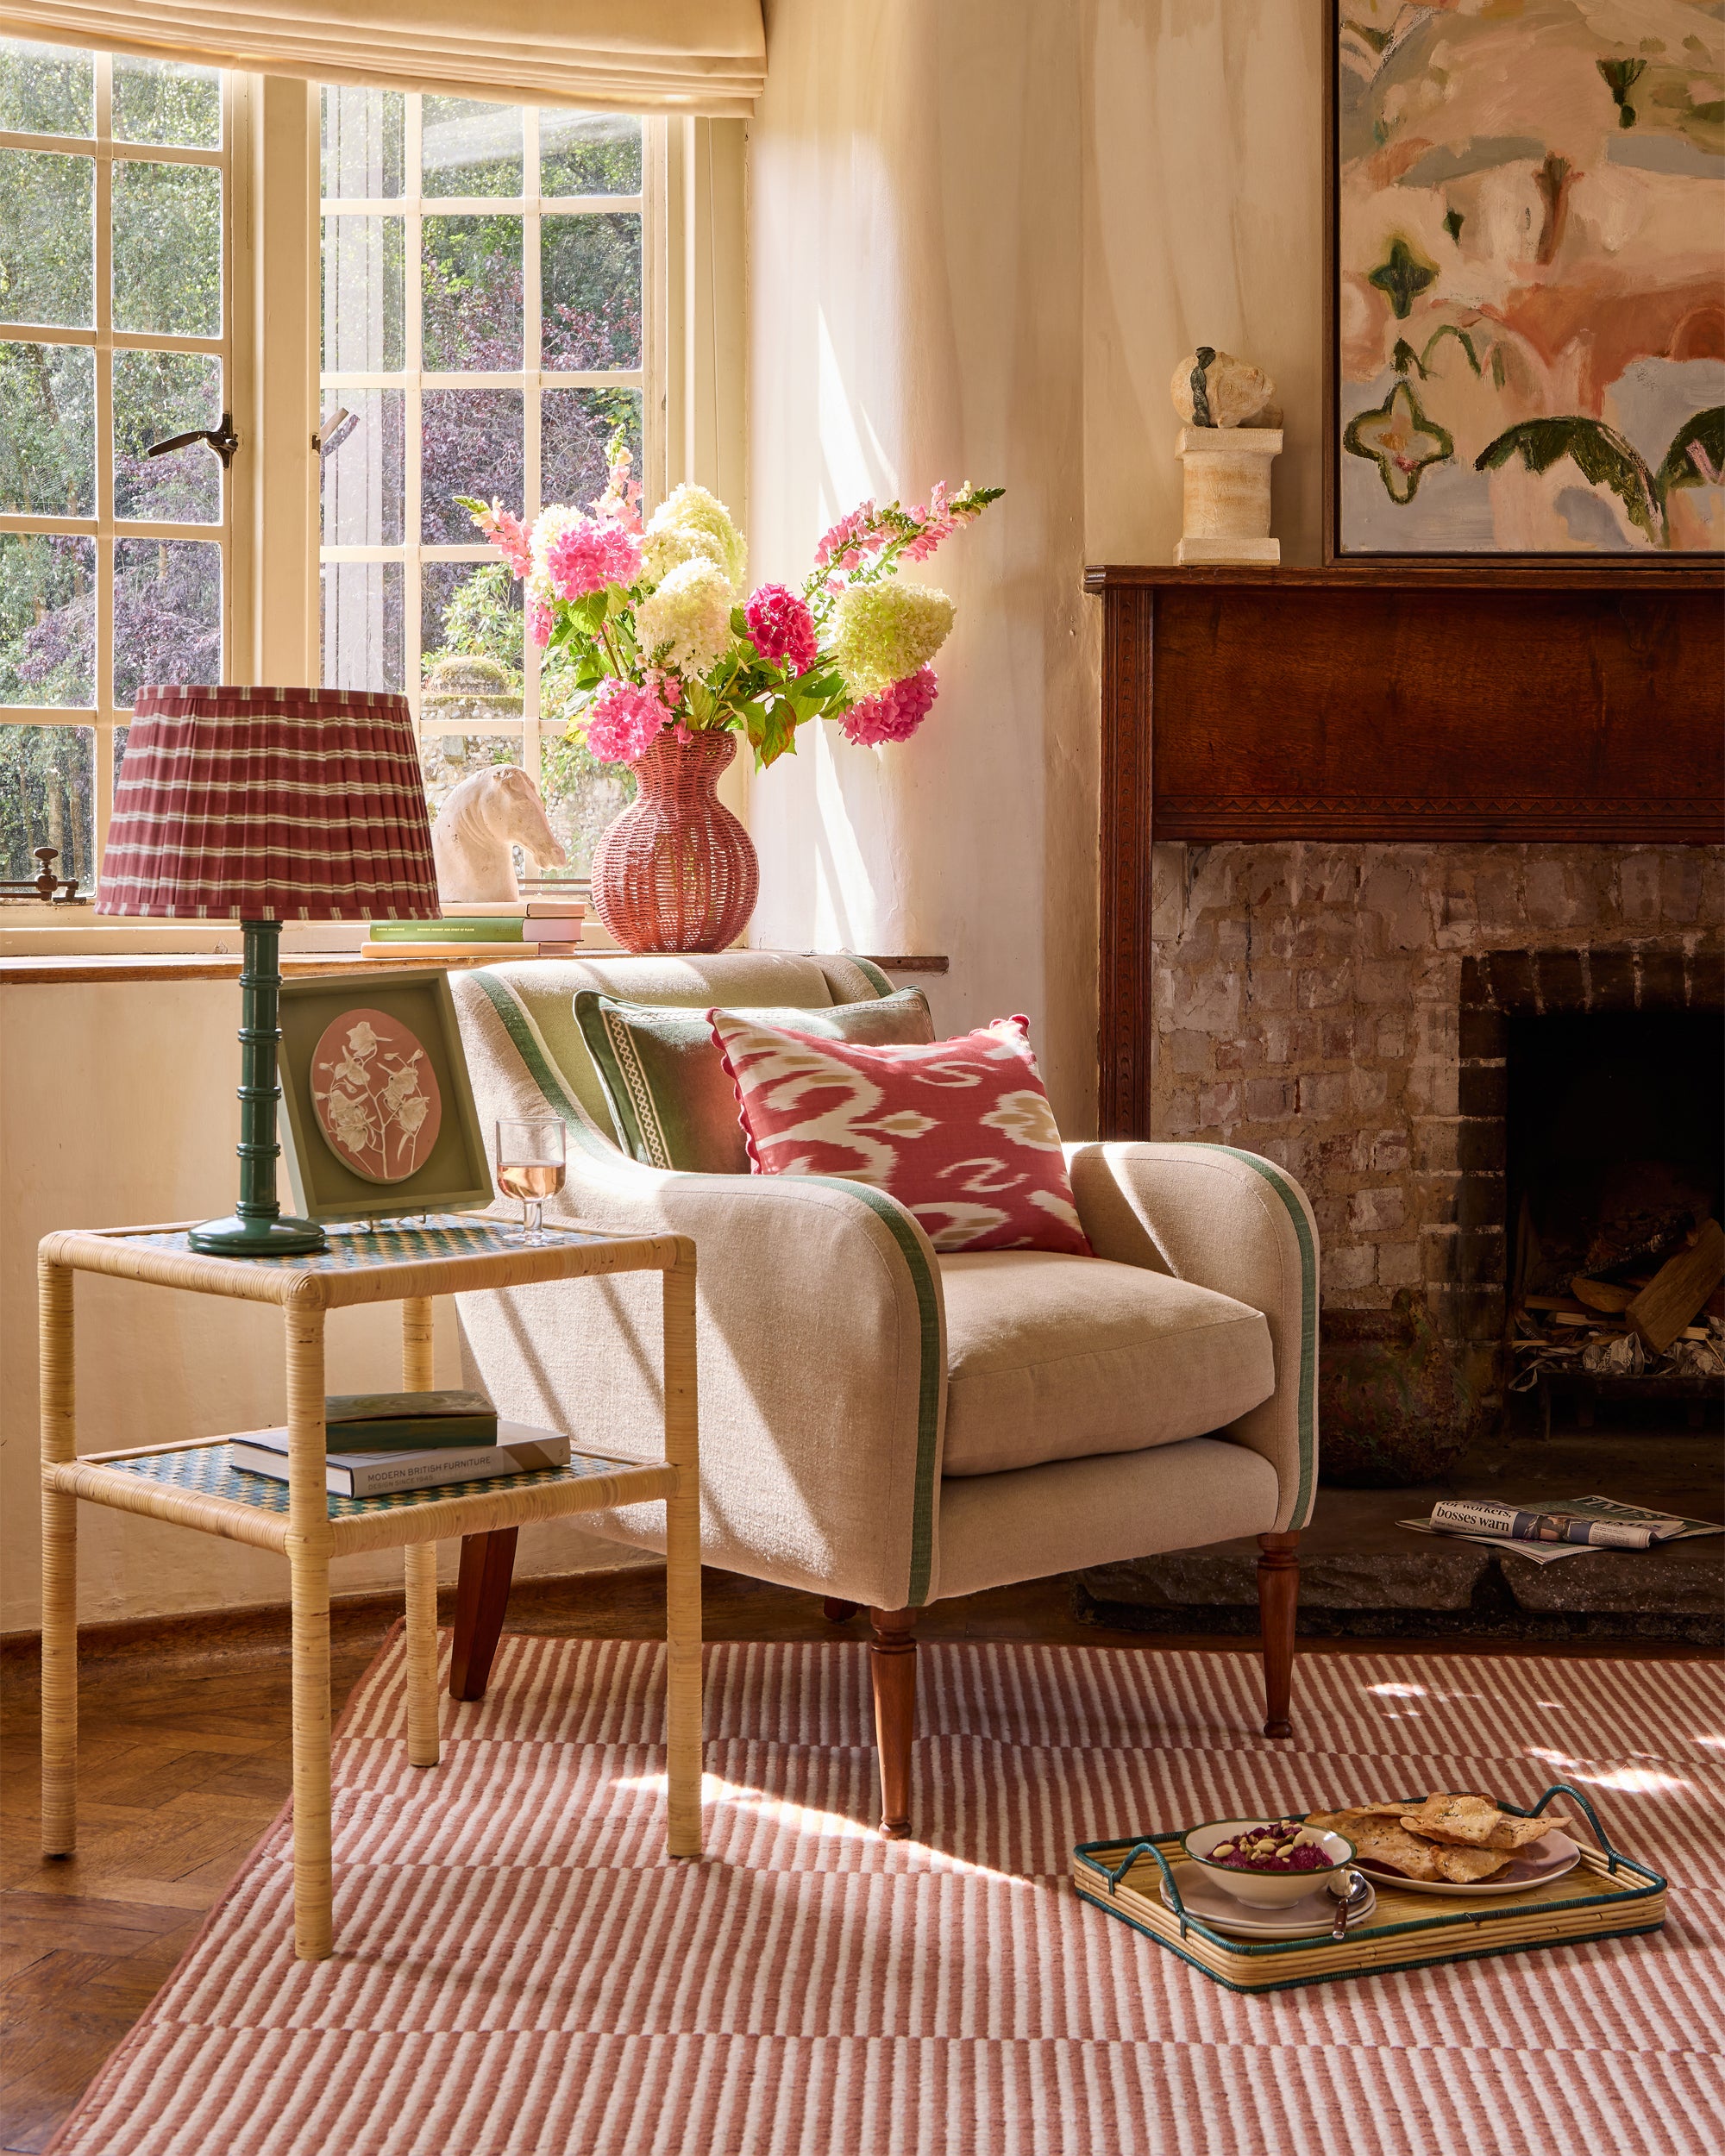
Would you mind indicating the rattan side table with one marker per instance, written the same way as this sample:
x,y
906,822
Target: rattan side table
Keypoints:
x,y
193,1483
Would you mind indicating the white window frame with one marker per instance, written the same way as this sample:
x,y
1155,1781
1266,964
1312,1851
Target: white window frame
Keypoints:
x,y
105,528
412,207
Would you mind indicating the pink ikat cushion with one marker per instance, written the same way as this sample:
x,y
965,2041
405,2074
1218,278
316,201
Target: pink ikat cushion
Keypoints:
x,y
960,1131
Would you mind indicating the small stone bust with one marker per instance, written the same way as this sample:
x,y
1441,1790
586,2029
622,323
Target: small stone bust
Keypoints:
x,y
1214,389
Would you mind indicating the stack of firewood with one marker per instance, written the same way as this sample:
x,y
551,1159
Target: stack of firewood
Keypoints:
x,y
1668,1322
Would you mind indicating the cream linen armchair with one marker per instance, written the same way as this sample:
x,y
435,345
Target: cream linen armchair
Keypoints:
x,y
881,1426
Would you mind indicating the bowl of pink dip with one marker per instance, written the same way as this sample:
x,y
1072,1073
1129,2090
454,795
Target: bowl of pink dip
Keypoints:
x,y
1268,1863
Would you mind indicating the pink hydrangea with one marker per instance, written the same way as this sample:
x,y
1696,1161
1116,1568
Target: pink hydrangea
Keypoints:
x,y
782,627
622,722
589,554
895,712
508,536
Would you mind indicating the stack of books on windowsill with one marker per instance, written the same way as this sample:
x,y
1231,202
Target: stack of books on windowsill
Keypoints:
x,y
514,928
380,1443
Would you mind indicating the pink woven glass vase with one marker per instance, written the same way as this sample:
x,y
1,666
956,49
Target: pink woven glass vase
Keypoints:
x,y
676,871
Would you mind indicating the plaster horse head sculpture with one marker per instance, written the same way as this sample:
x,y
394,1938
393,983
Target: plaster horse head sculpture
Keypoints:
x,y
487,815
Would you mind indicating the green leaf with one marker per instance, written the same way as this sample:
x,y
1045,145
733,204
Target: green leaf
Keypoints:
x,y
739,622
1448,329
1598,452
1696,455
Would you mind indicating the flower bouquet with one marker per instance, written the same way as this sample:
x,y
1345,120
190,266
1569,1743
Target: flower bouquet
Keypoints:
x,y
664,659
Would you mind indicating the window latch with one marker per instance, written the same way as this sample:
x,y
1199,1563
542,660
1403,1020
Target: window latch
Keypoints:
x,y
222,440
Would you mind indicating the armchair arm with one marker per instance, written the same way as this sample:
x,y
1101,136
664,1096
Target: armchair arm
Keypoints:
x,y
1237,1223
821,1341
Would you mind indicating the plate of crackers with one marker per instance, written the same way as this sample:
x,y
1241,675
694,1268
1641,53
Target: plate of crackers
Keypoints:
x,y
1462,1845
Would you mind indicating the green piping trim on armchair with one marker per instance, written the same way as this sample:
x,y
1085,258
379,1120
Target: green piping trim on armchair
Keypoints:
x,y
529,1045
1306,1392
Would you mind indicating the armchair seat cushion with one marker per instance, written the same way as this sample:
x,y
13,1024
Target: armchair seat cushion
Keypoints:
x,y
1052,1357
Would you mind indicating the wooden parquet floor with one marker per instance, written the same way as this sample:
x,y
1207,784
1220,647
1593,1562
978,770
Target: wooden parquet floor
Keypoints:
x,y
183,1759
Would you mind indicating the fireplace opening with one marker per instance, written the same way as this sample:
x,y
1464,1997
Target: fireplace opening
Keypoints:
x,y
1615,1184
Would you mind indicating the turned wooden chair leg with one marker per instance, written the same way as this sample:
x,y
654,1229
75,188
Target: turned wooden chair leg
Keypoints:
x,y
891,1658
1278,1596
481,1598
837,1612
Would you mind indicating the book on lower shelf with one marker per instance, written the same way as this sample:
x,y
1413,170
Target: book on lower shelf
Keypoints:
x,y
408,1422
519,1449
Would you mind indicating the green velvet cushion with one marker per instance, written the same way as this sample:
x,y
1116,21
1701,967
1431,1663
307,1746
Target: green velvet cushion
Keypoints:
x,y
671,1097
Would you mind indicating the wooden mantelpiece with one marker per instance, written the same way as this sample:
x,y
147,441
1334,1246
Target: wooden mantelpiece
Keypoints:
x,y
1449,702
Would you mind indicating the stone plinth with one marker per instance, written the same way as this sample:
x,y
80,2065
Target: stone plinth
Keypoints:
x,y
1227,493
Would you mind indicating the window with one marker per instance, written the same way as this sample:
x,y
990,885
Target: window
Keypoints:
x,y
117,311
483,335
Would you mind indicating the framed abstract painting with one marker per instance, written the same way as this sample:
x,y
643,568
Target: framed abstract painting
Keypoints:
x,y
1527,256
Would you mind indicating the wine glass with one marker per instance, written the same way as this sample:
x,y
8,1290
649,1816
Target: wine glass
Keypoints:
x,y
530,1166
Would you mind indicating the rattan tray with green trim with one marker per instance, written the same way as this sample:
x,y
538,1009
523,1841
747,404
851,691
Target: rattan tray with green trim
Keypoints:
x,y
1608,1895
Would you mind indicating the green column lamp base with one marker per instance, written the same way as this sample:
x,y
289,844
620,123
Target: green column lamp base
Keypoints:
x,y
257,1228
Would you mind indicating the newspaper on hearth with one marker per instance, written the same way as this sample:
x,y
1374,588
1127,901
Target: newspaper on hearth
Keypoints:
x,y
1568,1527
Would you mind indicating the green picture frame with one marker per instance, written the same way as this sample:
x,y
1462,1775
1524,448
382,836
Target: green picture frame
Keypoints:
x,y
454,1175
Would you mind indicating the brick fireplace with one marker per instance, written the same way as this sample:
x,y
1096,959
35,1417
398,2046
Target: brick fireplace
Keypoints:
x,y
1344,1010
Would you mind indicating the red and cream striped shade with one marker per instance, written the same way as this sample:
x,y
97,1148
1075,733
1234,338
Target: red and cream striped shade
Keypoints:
x,y
270,805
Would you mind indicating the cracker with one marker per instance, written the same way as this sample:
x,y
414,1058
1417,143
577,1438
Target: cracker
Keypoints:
x,y
1469,1820
1382,1841
1514,1833
1464,1867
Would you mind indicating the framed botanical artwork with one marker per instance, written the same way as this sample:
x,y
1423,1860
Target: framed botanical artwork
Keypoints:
x,y
1527,289
379,1111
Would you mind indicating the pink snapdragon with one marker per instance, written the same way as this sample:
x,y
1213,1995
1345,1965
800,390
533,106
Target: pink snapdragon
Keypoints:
x,y
894,713
621,500
848,541
937,523
541,614
508,536
589,554
782,627
623,721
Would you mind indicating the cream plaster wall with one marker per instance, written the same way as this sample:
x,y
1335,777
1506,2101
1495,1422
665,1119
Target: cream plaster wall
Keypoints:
x,y
981,232
917,314
117,1106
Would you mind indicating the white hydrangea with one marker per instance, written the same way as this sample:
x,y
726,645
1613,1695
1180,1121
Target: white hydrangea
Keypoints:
x,y
882,633
663,550
687,622
704,519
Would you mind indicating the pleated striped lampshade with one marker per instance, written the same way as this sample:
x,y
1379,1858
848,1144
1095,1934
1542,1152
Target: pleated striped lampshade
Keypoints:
x,y
270,805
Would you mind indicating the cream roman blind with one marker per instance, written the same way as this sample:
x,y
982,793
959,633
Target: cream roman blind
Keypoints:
x,y
702,56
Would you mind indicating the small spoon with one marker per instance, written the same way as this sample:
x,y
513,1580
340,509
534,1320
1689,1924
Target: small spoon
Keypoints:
x,y
1350,1889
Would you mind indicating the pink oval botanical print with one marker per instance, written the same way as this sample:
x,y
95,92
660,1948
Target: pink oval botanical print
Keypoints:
x,y
375,1095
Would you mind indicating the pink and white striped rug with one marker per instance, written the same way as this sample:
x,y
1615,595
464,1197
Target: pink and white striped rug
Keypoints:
x,y
523,1972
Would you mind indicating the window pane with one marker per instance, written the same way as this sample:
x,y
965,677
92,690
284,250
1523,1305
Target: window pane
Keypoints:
x,y
48,785
162,101
589,153
157,394
167,613
470,610
362,470
167,248
47,429
590,271
471,445
362,295
581,796
46,88
575,425
362,625
362,142
470,268
468,148
48,621
48,247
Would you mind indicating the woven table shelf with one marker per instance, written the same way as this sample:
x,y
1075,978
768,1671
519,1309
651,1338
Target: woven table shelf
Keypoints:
x,y
196,1484
1608,1895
